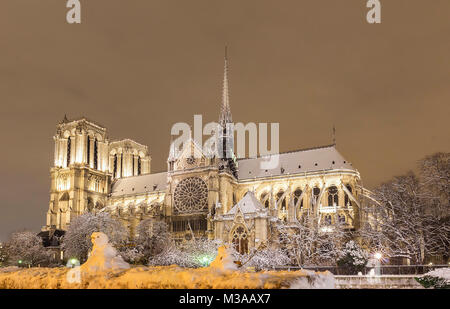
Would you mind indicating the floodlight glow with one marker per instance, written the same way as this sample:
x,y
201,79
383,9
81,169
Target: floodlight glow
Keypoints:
x,y
378,255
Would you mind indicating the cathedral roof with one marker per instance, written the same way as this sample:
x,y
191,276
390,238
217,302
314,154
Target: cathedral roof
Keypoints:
x,y
248,204
295,162
139,184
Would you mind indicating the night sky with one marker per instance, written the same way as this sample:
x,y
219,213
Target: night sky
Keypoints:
x,y
138,67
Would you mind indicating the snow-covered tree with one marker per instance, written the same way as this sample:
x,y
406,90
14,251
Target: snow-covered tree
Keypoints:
x,y
198,252
153,238
434,174
77,240
263,258
311,242
3,254
353,257
132,255
26,248
400,220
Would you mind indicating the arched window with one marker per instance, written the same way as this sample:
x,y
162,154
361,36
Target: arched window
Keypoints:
x,y
90,205
121,164
316,193
342,219
115,166
95,154
348,201
266,201
297,194
69,142
240,240
88,147
333,199
328,219
283,203
139,166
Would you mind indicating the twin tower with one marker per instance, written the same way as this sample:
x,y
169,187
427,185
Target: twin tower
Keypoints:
x,y
85,164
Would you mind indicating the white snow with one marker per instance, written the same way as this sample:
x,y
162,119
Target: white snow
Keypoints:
x,y
295,162
140,184
443,273
223,261
100,271
248,204
323,280
103,256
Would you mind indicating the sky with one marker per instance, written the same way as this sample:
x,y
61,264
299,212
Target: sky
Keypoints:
x,y
138,67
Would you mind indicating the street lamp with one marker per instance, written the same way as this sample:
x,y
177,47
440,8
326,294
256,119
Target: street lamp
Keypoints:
x,y
378,257
73,262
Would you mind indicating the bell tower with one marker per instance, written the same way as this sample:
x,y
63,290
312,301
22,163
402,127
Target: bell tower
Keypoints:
x,y
80,178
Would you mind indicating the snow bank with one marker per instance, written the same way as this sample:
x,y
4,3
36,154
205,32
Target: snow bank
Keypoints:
x,y
105,269
443,273
323,280
165,277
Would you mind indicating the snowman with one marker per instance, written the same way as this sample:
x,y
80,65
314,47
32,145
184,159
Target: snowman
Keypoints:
x,y
103,256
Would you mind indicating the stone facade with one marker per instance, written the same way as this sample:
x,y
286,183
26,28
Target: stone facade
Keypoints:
x,y
234,200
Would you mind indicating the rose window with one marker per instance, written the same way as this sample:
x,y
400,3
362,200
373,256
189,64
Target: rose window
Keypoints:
x,y
191,195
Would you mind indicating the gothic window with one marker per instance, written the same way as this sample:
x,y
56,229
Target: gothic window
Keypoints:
x,y
115,166
139,166
266,202
121,164
347,201
90,205
342,219
240,240
283,203
88,149
333,199
191,195
69,142
199,224
316,193
297,194
95,154
328,220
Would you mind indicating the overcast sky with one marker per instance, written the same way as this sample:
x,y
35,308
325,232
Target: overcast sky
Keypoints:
x,y
138,67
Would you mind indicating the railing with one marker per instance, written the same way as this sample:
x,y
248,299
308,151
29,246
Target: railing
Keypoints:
x,y
384,269
334,209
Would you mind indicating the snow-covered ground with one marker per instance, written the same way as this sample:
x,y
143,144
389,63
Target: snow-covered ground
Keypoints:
x,y
164,277
443,273
106,269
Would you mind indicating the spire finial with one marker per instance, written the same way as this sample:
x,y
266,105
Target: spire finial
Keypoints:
x,y
65,120
225,113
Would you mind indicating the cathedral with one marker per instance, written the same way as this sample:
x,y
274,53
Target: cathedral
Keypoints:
x,y
200,195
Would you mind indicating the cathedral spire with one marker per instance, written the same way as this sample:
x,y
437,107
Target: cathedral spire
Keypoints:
x,y
225,112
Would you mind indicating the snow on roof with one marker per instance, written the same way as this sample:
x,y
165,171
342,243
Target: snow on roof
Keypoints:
x,y
140,184
248,204
301,161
